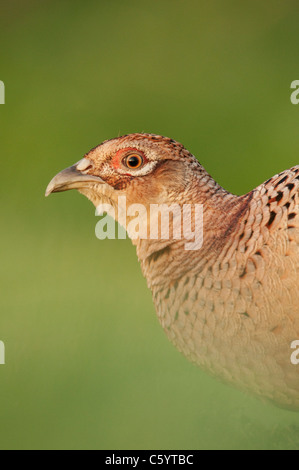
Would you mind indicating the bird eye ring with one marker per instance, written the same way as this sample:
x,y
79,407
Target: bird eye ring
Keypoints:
x,y
133,161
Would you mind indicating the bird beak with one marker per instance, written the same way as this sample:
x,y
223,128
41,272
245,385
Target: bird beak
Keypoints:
x,y
74,177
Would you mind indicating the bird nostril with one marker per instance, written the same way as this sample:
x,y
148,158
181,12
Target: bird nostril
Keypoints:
x,y
88,168
84,165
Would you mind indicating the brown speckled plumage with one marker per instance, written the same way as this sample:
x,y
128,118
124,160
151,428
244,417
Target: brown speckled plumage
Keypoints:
x,y
231,307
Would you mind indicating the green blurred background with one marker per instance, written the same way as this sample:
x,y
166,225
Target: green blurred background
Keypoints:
x,y
88,365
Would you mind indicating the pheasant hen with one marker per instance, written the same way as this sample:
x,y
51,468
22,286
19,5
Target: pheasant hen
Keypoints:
x,y
232,306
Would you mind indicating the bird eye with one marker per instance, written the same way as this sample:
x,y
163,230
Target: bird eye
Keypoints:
x,y
133,161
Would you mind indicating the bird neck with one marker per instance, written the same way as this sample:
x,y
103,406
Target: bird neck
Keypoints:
x,y
165,261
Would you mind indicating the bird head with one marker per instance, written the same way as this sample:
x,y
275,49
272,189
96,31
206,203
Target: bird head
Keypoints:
x,y
146,168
